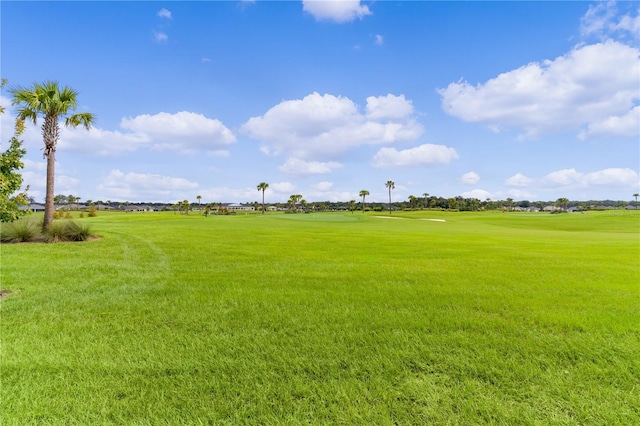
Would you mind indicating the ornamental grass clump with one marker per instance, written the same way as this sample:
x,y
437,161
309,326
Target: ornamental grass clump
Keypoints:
x,y
56,232
75,231
68,231
20,231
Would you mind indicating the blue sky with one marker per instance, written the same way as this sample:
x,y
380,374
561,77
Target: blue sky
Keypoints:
x,y
527,100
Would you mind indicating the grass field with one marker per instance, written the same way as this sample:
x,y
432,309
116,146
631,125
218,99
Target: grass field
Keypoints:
x,y
328,318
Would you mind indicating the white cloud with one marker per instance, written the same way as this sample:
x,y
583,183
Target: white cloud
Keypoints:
x,y
379,40
519,194
301,167
34,174
388,107
327,125
602,20
322,186
518,180
66,184
183,131
610,177
564,177
282,187
613,176
423,154
164,13
480,194
335,10
144,186
586,86
624,125
470,178
160,36
97,141
205,60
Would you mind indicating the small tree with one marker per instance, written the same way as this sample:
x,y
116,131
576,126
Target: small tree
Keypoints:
x,y
636,197
11,180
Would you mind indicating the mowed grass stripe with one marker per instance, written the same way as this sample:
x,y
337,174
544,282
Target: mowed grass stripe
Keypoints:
x,y
325,318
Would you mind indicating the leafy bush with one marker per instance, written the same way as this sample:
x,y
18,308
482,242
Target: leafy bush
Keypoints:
x,y
20,231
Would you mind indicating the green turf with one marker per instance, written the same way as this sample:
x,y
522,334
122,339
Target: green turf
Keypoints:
x,y
327,318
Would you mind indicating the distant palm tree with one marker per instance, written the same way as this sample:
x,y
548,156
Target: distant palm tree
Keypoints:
x,y
563,202
262,186
424,201
412,200
51,102
636,195
363,193
510,203
352,205
390,185
293,199
199,197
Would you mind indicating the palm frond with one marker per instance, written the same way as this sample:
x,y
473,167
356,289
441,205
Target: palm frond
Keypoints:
x,y
85,119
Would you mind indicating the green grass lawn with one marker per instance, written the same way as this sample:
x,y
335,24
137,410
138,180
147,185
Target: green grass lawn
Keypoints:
x,y
327,318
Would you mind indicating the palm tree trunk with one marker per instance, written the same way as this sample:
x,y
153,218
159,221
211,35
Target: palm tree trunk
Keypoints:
x,y
48,204
50,134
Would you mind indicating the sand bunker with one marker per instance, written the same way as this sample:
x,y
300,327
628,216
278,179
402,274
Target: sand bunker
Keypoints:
x,y
435,220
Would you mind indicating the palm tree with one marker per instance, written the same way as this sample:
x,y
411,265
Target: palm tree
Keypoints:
x,y
636,195
510,203
363,193
199,197
424,202
262,186
51,102
390,185
563,202
352,205
293,199
412,200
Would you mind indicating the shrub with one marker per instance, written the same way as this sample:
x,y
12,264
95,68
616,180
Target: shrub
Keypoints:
x,y
68,215
20,231
92,211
